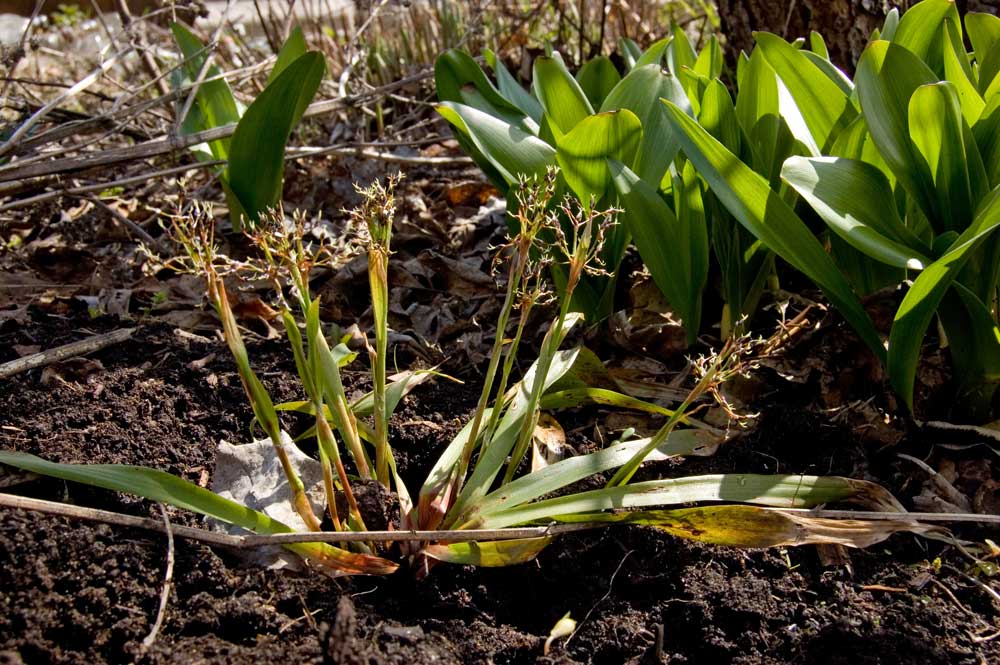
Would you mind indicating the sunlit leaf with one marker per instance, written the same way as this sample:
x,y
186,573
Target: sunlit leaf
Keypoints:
x,y
762,211
257,153
597,78
510,150
584,152
854,199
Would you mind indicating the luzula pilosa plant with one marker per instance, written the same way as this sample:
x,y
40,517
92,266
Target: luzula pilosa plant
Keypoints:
x,y
474,483
375,215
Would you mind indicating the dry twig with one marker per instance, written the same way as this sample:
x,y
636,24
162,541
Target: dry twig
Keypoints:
x,y
167,583
71,350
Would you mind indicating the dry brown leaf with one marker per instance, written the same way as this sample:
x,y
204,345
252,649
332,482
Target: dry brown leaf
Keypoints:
x,y
548,443
755,526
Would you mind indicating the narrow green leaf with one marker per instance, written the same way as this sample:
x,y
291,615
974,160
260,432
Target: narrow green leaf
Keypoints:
x,y
494,457
749,198
491,554
160,486
527,488
775,491
755,526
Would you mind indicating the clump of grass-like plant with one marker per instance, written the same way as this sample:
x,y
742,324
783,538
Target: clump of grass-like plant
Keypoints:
x,y
473,495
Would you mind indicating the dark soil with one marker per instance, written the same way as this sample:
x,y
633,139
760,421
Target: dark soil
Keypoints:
x,y
74,592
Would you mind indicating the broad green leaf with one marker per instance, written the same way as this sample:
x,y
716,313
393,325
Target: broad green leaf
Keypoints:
x,y
257,154
488,554
855,200
510,150
630,51
987,137
749,198
984,33
921,301
665,245
818,45
855,142
890,26
640,92
214,104
710,61
935,121
511,89
293,48
584,152
680,54
887,77
597,78
973,337
455,72
160,486
774,491
755,526
654,54
560,95
825,107
958,72
758,93
832,72
865,275
718,116
920,30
